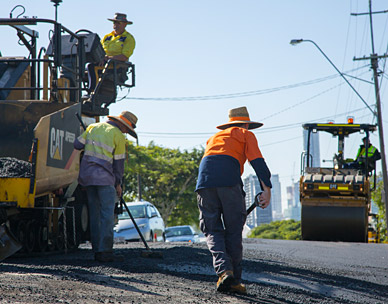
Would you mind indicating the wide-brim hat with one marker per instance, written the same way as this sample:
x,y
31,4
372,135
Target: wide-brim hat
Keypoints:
x,y
240,116
128,119
121,18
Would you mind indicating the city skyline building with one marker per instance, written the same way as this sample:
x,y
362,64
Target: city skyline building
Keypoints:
x,y
314,148
276,198
258,216
293,210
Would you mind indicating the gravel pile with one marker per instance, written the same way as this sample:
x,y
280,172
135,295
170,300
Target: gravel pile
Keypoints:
x,y
12,167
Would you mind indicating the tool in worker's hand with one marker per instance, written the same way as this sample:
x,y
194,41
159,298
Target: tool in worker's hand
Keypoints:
x,y
255,204
148,253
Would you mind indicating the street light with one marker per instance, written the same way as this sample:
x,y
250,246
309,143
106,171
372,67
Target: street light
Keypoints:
x,y
297,41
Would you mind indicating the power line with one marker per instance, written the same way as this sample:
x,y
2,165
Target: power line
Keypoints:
x,y
261,131
241,94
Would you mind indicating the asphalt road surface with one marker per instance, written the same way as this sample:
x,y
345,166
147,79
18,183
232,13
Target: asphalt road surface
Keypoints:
x,y
274,272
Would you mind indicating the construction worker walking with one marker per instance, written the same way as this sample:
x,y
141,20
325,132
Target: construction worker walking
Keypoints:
x,y
221,198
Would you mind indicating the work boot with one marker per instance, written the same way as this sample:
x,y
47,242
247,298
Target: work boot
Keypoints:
x,y
238,288
225,281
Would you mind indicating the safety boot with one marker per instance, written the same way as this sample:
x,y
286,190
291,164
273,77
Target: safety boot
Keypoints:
x,y
238,288
225,281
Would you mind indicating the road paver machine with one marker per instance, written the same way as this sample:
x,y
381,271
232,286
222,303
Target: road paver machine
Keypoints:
x,y
42,207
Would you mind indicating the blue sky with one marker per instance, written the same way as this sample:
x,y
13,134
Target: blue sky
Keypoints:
x,y
221,47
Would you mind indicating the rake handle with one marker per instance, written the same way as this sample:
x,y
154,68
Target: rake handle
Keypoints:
x,y
134,223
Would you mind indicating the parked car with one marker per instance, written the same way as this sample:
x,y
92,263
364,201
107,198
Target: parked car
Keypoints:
x,y
183,233
147,218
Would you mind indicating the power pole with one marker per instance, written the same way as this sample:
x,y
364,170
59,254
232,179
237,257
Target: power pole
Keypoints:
x,y
375,65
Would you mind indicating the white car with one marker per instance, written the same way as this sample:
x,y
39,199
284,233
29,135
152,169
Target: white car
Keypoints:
x,y
148,220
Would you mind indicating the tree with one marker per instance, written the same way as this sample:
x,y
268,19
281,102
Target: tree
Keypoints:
x,y
377,199
167,179
280,230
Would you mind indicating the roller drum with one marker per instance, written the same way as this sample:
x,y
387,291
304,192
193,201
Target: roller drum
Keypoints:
x,y
334,223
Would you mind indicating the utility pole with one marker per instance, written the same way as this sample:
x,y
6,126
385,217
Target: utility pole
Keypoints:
x,y
375,65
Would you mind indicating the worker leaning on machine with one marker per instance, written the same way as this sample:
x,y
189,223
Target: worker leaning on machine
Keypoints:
x,y
221,198
359,163
118,45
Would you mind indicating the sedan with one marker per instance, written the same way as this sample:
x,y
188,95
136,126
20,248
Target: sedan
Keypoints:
x,y
147,218
183,233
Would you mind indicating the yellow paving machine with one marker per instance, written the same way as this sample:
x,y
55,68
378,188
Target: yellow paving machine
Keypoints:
x,y
42,207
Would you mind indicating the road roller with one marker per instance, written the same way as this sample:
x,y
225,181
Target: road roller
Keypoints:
x,y
42,112
335,200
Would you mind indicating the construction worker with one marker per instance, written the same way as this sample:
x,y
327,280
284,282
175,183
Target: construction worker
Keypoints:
x,y
221,198
359,163
118,45
101,172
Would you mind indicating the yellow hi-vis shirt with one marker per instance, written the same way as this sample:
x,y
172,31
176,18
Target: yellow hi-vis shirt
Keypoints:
x,y
117,45
103,160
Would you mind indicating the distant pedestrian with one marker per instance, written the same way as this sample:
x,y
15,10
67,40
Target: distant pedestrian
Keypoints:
x,y
101,172
221,198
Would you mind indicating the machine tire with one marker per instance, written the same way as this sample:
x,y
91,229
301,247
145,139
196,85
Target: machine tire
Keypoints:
x,y
41,238
30,232
81,215
21,234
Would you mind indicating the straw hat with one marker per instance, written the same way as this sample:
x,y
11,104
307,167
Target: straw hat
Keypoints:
x,y
128,119
121,18
238,116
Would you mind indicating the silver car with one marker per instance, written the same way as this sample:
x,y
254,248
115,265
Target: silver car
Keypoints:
x,y
148,220
183,233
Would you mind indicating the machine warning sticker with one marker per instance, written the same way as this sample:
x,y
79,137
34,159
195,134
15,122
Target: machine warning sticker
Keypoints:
x,y
64,129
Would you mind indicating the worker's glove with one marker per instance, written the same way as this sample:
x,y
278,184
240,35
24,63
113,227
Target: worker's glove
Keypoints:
x,y
257,199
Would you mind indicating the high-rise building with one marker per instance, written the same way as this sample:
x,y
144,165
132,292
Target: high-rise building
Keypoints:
x,y
276,198
315,158
258,216
293,210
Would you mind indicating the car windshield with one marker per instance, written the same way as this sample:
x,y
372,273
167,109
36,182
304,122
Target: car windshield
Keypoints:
x,y
178,231
136,211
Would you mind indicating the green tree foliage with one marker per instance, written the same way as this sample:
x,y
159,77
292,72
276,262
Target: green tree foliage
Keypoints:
x,y
167,179
377,199
279,230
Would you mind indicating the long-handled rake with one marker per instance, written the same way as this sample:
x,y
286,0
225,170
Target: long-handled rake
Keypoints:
x,y
148,253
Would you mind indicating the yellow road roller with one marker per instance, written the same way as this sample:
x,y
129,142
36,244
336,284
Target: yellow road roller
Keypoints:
x,y
335,200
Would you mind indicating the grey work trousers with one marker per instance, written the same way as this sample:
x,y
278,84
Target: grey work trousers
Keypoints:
x,y
222,218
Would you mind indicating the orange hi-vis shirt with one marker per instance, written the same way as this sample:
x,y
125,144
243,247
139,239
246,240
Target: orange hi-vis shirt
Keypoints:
x,y
225,155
